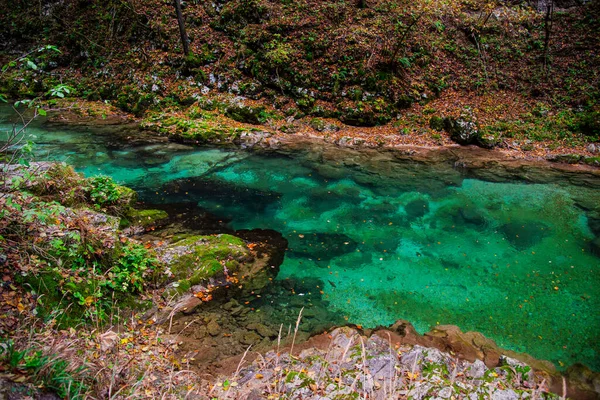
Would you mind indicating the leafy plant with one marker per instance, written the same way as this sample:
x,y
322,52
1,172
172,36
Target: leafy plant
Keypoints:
x,y
104,191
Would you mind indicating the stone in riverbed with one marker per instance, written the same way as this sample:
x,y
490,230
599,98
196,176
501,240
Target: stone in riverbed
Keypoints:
x,y
213,328
416,208
320,245
523,234
471,216
250,338
145,218
595,247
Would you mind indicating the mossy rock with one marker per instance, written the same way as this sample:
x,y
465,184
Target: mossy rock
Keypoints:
x,y
566,158
595,161
196,259
365,114
488,140
462,131
145,218
436,123
247,114
195,130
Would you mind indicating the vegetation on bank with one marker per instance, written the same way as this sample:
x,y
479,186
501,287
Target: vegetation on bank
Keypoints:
x,y
377,63
60,231
74,287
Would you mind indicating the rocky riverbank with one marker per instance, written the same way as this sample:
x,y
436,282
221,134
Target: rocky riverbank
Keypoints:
x,y
397,362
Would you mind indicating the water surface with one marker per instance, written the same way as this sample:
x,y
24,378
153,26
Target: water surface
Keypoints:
x,y
511,260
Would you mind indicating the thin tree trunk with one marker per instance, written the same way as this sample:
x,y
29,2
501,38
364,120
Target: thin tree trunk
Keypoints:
x,y
182,32
548,30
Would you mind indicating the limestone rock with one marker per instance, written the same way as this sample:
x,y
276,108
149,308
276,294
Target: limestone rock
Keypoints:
x,y
461,130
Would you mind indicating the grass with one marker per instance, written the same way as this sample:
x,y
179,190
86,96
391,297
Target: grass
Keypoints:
x,y
120,362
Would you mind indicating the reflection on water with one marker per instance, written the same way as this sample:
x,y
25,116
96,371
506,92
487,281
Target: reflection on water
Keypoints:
x,y
511,260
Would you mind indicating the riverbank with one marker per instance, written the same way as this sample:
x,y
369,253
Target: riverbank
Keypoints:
x,y
217,128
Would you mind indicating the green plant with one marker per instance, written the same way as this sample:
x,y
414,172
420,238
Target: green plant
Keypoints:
x,y
104,191
47,371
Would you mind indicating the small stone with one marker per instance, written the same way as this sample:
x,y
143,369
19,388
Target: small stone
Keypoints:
x,y
476,370
213,328
445,392
505,395
250,338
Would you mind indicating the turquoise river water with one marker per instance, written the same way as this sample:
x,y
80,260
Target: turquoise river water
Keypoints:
x,y
510,259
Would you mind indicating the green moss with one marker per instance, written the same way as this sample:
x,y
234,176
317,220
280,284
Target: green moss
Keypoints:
x,y
144,218
592,161
204,257
203,130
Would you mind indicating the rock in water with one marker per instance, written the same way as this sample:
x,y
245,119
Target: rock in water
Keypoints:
x,y
595,247
416,208
523,234
321,246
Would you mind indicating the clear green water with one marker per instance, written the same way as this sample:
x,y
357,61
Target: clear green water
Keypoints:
x,y
510,260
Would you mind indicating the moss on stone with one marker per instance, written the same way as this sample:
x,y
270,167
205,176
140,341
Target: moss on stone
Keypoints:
x,y
144,218
195,259
203,129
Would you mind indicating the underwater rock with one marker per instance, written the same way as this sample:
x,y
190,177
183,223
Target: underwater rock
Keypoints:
x,y
223,193
321,246
594,224
583,379
523,234
471,216
213,328
416,208
595,247
147,219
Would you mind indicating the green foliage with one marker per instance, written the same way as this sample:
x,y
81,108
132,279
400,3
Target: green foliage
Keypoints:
x,y
84,279
132,100
49,372
104,191
105,194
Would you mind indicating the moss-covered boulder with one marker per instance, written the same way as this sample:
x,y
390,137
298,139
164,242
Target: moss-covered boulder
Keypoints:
x,y
203,260
203,265
247,114
147,219
461,130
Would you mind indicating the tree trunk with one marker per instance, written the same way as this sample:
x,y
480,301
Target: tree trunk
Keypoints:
x,y
548,30
182,32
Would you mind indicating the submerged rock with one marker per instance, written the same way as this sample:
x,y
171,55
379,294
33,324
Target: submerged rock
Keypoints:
x,y
146,219
416,208
471,216
321,246
595,247
523,234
